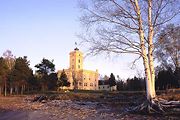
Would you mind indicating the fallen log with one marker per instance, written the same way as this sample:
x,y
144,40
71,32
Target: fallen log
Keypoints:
x,y
39,98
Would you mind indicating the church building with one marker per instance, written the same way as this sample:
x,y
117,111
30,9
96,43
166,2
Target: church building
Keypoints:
x,y
78,77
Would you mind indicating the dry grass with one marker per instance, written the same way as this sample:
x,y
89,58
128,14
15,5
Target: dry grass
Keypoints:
x,y
75,96
170,96
116,98
11,102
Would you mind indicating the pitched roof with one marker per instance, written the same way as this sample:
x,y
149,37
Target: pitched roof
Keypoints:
x,y
103,82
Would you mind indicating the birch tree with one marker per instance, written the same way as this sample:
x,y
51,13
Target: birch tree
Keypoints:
x,y
168,47
130,27
9,61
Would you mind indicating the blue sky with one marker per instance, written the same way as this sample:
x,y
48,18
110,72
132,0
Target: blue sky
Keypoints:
x,y
48,28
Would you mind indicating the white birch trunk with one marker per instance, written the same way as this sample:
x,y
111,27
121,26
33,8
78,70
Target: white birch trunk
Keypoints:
x,y
150,48
149,85
11,90
16,90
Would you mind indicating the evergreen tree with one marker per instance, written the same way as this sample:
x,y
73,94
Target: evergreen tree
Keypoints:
x,y
177,76
20,75
45,68
120,85
3,75
63,80
135,84
112,80
52,82
166,79
33,83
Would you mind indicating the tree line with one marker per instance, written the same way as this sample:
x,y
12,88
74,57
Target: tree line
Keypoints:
x,y
16,76
165,79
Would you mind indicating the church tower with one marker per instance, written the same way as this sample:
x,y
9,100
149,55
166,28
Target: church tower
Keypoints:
x,y
76,60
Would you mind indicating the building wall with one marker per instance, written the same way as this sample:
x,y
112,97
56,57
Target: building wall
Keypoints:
x,y
90,80
108,88
77,76
85,79
76,60
104,87
114,88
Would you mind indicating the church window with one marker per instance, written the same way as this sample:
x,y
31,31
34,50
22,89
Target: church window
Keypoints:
x,y
79,60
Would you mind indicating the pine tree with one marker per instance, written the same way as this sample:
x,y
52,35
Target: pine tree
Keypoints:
x,y
45,68
3,75
112,80
63,80
177,76
20,75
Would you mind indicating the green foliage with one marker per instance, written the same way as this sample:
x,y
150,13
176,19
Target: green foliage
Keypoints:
x,y
9,62
20,75
3,70
52,81
45,68
15,75
133,84
34,83
112,80
21,71
63,80
177,75
166,79
120,85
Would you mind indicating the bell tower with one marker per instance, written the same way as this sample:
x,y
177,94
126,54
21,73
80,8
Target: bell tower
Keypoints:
x,y
76,60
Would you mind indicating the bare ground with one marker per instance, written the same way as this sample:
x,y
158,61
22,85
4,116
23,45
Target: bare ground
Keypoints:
x,y
75,107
